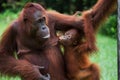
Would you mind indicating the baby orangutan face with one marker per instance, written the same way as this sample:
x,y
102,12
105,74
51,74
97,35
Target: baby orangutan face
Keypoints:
x,y
69,38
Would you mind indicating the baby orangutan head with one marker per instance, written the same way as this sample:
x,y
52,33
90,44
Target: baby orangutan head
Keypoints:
x,y
70,38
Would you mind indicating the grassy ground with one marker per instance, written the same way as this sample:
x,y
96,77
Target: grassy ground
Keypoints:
x,y
106,57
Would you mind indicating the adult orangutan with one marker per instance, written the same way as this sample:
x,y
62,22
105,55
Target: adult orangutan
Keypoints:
x,y
32,37
35,49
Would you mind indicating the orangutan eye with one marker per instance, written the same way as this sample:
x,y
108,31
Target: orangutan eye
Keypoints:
x,y
40,20
43,18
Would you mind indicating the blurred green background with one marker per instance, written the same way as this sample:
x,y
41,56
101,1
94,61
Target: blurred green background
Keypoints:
x,y
106,57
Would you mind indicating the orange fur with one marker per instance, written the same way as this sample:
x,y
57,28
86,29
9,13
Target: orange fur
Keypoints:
x,y
78,65
91,21
88,45
56,21
101,10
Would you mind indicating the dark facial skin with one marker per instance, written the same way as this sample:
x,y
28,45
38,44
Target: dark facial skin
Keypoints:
x,y
41,24
35,22
36,31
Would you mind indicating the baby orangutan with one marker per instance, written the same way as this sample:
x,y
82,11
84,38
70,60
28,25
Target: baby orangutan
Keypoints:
x,y
78,65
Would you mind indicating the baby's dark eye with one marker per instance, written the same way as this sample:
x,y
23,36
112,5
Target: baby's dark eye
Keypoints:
x,y
69,36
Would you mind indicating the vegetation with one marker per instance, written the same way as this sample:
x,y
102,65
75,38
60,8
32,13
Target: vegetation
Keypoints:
x,y
70,6
106,57
109,28
6,18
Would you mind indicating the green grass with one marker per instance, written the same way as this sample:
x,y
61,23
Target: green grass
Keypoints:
x,y
106,57
5,19
9,78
